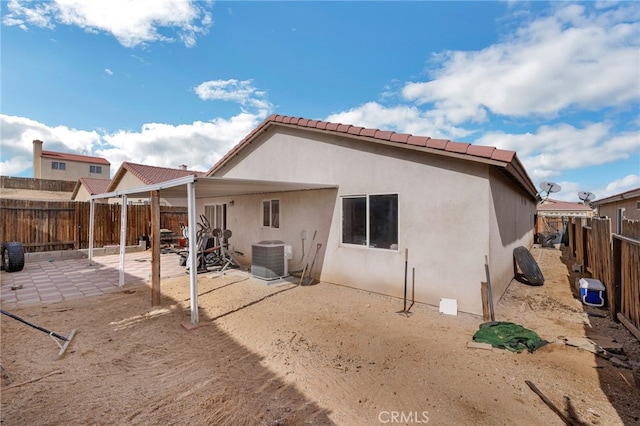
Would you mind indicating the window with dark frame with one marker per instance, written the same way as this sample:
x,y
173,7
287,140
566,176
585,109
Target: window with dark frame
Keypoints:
x,y
95,169
58,165
271,213
370,220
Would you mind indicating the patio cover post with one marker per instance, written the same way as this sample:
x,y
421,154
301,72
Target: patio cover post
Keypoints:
x,y
123,239
92,214
155,248
193,255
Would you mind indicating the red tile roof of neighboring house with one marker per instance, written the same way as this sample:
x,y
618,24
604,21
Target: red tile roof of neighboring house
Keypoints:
x,y
488,154
74,157
149,175
93,186
563,206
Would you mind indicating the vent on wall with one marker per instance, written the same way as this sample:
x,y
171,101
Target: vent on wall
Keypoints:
x,y
269,259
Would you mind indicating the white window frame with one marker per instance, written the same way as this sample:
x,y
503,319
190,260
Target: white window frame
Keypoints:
x,y
270,224
367,243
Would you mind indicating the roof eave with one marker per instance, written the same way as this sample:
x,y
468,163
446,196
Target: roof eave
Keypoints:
x,y
513,168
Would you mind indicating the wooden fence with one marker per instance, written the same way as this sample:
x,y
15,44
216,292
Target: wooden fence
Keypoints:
x,y
61,225
10,182
614,259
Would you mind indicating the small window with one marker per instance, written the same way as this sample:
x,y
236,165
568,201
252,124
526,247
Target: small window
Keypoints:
x,y
271,213
370,221
95,169
58,165
638,205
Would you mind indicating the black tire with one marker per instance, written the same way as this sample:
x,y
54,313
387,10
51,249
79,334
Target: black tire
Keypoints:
x,y
552,239
531,273
13,257
1,257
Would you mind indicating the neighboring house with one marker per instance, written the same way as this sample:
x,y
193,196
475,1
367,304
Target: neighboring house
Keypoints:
x,y
132,175
551,214
440,206
86,187
65,166
625,204
554,208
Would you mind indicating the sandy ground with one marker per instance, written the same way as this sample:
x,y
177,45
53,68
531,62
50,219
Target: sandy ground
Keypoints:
x,y
320,354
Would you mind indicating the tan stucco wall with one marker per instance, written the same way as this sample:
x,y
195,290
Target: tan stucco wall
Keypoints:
x,y
84,195
446,208
610,210
73,170
511,225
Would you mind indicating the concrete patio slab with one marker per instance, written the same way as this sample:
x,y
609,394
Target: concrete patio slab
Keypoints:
x,y
56,279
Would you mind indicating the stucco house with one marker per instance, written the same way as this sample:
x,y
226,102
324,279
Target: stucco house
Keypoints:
x,y
623,205
552,214
389,198
64,166
133,175
86,187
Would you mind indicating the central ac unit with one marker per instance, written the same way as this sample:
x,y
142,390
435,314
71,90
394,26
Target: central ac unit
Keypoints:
x,y
269,259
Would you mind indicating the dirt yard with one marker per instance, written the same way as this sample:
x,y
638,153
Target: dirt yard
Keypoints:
x,y
320,354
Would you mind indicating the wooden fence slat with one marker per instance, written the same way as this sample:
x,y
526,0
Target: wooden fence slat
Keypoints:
x,y
613,259
54,224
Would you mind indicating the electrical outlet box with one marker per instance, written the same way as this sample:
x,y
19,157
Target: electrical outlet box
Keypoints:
x,y
303,235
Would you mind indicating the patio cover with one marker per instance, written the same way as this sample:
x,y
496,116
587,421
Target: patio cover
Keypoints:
x,y
193,187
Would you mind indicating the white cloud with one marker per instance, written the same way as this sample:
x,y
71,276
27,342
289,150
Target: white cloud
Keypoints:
x,y
17,135
627,183
401,118
15,165
108,71
199,145
563,147
571,59
132,23
570,189
240,91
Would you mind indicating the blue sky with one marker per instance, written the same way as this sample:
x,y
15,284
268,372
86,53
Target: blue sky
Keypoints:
x,y
170,82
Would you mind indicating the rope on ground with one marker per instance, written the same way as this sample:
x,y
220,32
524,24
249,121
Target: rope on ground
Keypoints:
x,y
34,380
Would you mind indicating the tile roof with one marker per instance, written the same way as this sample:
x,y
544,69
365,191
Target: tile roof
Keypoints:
x,y
563,206
74,157
93,186
149,175
488,154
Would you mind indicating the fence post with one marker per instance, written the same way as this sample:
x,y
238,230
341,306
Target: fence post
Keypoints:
x,y
155,249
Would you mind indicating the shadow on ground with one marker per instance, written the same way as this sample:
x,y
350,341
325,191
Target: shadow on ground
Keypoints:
x,y
132,364
620,385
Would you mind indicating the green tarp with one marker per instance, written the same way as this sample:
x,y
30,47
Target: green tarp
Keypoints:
x,y
510,336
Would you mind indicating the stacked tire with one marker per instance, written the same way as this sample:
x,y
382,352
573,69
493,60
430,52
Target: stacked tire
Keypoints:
x,y
12,256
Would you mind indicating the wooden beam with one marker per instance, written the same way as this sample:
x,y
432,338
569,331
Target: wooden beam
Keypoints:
x,y
486,311
632,328
155,248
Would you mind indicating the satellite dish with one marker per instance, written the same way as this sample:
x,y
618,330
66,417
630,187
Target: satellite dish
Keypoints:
x,y
586,196
550,187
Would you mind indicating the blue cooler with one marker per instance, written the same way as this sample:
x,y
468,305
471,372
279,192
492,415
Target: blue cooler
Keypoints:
x,y
591,292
